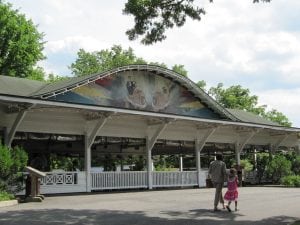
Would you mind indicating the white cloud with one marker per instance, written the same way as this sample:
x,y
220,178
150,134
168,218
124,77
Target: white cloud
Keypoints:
x,y
73,43
285,101
236,42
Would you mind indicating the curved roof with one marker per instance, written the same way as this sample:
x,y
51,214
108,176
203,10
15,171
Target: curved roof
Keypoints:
x,y
70,84
42,90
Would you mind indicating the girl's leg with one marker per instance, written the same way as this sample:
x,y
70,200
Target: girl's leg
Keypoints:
x,y
235,205
228,206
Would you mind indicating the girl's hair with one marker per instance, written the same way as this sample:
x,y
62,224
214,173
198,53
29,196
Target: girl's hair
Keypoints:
x,y
232,172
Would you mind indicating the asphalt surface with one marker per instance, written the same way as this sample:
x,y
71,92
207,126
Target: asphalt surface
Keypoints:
x,y
257,205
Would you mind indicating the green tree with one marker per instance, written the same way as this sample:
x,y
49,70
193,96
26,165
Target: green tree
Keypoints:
x,y
278,117
99,61
37,73
237,97
21,44
12,163
201,84
153,17
53,78
180,69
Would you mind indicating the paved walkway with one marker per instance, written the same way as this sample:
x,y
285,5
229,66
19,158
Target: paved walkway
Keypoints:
x,y
258,205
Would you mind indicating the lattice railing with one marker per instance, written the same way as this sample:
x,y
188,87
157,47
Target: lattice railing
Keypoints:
x,y
59,178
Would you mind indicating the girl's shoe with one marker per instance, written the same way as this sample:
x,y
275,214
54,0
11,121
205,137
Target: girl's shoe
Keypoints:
x,y
228,208
236,209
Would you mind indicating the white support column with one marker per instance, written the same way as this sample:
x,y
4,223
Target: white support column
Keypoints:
x,y
180,164
156,134
198,162
240,144
95,131
87,164
238,150
89,139
149,164
271,150
246,140
199,144
13,129
150,141
255,158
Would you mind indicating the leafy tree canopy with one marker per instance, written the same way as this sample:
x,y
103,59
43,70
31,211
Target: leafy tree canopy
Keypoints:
x,y
21,44
153,17
99,61
180,69
237,97
95,62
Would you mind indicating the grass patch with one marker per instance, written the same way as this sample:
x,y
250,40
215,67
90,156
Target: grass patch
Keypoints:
x,y
4,196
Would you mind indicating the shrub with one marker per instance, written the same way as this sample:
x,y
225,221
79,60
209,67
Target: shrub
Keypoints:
x,y
12,163
296,165
262,162
291,181
246,164
279,167
4,196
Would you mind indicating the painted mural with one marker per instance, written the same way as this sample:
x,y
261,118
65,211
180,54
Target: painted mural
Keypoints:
x,y
141,91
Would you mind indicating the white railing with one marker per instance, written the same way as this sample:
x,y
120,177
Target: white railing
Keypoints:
x,y
118,180
63,182
71,182
139,179
174,179
60,178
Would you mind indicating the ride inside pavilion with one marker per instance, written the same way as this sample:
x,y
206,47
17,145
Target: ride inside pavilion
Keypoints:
x,y
135,113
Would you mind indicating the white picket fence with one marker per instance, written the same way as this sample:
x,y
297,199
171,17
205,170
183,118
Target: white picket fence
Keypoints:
x,y
175,179
118,180
71,182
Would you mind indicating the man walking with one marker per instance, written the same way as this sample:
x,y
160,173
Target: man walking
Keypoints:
x,y
217,173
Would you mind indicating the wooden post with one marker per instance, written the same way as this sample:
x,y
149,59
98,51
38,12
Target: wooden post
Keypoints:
x,y
35,175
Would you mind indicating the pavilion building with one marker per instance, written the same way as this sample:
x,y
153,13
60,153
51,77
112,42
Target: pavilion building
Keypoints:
x,y
140,110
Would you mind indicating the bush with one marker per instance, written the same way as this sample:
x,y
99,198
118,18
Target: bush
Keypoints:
x,y
296,165
279,167
246,165
291,181
12,163
4,196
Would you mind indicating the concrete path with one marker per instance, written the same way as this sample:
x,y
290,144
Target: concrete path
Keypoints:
x,y
257,205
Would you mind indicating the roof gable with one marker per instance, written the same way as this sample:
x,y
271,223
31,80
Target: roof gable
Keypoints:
x,y
140,90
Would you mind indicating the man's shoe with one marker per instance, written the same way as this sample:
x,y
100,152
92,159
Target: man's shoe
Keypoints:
x,y
217,210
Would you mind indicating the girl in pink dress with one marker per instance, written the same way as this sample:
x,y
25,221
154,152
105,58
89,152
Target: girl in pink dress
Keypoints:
x,y
232,189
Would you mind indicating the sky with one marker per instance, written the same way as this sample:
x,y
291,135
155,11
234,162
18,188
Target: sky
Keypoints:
x,y
256,46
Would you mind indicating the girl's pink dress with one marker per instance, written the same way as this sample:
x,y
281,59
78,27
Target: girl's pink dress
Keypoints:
x,y
232,192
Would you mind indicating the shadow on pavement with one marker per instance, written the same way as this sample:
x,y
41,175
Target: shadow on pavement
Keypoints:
x,y
109,217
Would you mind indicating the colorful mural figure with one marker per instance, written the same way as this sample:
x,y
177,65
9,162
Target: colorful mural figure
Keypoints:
x,y
139,90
